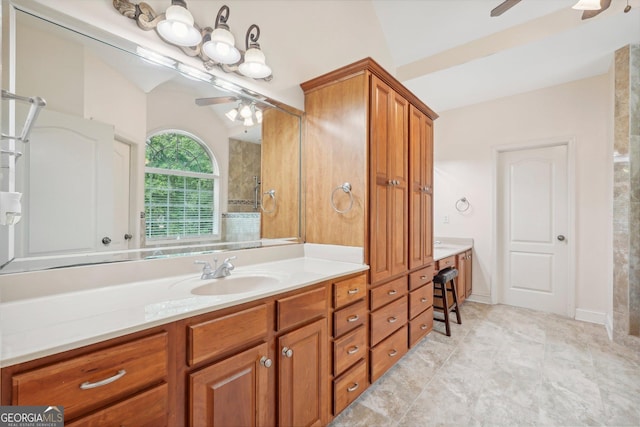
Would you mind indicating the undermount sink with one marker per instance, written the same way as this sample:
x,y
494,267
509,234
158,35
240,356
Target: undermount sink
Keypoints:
x,y
238,284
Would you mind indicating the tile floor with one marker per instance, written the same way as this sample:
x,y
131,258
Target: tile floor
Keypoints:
x,y
506,366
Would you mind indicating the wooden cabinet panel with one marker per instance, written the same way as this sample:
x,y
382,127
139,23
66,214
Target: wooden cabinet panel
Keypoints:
x,y
350,290
217,336
131,367
420,188
420,326
388,352
232,392
421,277
299,308
461,284
349,318
389,175
388,319
384,294
468,274
420,300
147,409
349,386
303,376
349,349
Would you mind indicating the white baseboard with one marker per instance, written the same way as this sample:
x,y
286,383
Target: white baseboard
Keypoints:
x,y
483,299
591,316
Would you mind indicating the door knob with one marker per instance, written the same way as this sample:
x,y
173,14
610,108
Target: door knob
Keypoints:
x,y
106,240
560,237
128,236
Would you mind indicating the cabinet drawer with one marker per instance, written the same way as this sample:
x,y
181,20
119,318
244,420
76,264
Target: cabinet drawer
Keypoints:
x,y
349,349
388,292
446,262
420,326
350,290
420,300
302,307
349,386
421,277
148,409
130,367
388,352
349,318
387,319
214,337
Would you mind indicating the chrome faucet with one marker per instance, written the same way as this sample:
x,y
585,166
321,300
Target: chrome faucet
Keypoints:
x,y
225,268
223,271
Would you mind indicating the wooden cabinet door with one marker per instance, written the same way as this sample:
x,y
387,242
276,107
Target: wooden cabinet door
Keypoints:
x,y
467,273
303,376
232,392
460,281
420,189
389,206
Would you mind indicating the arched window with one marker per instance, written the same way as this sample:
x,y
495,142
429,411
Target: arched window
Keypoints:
x,y
181,187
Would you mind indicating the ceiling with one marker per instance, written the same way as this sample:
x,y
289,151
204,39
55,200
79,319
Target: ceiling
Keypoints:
x,y
451,53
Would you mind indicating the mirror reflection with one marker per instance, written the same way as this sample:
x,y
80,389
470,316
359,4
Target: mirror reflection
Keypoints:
x,y
132,158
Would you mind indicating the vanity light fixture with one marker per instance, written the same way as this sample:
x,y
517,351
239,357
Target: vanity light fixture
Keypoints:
x,y
177,27
220,44
215,47
254,64
587,5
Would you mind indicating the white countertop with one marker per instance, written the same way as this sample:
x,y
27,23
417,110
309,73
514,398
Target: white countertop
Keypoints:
x,y
445,250
41,326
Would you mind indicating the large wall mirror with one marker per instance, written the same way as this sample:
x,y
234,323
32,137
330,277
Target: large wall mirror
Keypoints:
x,y
136,156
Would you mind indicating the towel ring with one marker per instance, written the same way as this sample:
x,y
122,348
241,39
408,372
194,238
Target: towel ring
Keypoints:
x,y
462,205
271,193
346,187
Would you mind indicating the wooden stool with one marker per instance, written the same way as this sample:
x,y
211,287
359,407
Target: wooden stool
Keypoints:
x,y
440,284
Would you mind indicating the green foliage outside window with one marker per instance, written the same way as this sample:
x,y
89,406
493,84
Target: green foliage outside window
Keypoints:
x,y
179,188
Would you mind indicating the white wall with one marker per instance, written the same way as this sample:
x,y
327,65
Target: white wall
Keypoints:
x,y
464,139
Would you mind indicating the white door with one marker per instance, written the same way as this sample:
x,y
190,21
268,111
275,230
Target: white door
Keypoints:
x,y
533,225
67,180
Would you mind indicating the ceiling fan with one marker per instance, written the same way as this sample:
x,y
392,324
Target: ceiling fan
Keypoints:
x,y
586,14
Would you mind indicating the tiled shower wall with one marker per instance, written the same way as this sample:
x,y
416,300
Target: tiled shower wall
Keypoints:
x,y
244,165
626,209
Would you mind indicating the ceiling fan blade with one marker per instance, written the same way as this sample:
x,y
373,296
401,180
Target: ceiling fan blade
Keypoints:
x,y
217,100
604,5
503,7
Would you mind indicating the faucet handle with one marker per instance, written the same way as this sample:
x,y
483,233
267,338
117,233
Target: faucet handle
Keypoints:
x,y
207,266
231,258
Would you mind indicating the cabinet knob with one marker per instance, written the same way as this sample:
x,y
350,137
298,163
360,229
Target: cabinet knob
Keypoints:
x,y
266,362
287,352
390,182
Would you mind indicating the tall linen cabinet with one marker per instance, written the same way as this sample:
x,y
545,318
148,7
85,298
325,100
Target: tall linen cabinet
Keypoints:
x,y
364,128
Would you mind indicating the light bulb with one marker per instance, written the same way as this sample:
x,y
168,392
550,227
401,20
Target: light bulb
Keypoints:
x,y
245,111
248,121
232,114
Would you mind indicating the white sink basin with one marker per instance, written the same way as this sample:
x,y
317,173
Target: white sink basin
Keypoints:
x,y
238,284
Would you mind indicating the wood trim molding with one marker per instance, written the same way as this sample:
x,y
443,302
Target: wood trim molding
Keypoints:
x,y
368,64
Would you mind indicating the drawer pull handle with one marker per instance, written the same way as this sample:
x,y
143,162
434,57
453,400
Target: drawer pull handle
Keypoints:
x,y
393,352
287,352
353,291
266,362
392,292
87,385
353,350
392,319
423,277
423,327
353,318
424,299
354,387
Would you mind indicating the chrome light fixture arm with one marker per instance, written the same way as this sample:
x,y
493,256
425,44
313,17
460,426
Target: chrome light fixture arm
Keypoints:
x,y
148,19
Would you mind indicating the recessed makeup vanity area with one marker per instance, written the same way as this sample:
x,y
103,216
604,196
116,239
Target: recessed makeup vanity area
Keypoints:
x,y
284,322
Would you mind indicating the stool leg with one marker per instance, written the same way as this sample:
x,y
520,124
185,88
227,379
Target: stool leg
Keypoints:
x,y
445,304
455,301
